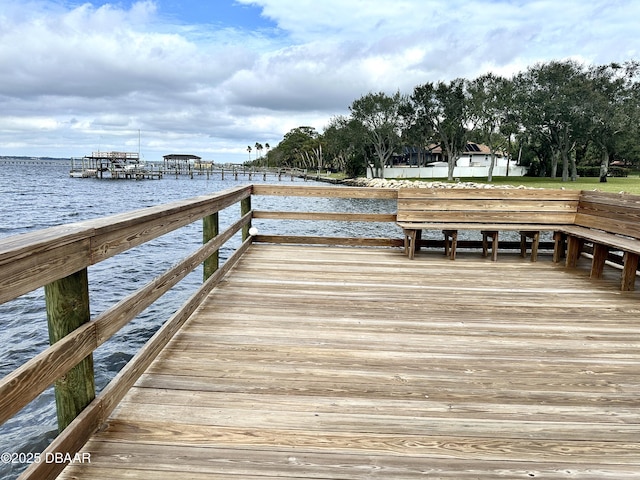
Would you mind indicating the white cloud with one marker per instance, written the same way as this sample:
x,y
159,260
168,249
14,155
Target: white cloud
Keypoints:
x,y
84,75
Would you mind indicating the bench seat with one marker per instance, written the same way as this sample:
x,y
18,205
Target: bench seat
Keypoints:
x,y
479,226
603,243
612,240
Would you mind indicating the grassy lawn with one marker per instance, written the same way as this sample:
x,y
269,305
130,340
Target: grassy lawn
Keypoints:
x,y
630,184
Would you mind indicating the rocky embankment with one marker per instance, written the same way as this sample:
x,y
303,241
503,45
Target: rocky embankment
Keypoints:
x,y
393,183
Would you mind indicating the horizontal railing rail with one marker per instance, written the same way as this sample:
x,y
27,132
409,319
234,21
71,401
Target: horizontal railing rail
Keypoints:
x,y
327,192
57,259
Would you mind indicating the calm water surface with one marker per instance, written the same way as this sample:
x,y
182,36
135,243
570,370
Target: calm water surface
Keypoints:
x,y
38,196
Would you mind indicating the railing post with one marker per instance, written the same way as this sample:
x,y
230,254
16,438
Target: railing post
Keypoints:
x,y
67,302
210,229
245,207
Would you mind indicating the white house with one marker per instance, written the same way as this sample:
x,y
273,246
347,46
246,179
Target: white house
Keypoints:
x,y
431,163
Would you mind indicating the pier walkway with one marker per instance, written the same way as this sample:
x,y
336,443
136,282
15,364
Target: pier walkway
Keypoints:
x,y
327,362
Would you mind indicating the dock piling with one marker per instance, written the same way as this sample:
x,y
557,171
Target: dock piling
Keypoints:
x,y
67,304
210,230
245,207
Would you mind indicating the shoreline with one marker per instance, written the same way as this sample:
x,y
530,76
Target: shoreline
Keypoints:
x,y
395,183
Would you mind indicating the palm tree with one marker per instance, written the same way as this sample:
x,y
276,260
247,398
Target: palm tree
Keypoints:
x,y
249,150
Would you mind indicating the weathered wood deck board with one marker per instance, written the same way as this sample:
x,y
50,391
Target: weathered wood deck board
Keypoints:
x,y
359,363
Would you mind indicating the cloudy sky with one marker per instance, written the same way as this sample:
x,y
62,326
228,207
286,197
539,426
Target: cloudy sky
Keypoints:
x,y
210,77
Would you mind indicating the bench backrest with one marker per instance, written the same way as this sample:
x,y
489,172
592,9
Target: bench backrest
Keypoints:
x,y
491,205
611,212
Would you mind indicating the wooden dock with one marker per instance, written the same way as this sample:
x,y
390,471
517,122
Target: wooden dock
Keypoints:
x,y
357,363
317,357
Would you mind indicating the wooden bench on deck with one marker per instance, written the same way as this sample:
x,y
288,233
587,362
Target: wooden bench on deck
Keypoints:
x,y
610,222
488,210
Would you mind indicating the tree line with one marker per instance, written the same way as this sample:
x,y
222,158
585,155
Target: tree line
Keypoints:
x,y
555,117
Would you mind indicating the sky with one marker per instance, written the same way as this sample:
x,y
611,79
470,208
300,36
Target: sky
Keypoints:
x,y
211,77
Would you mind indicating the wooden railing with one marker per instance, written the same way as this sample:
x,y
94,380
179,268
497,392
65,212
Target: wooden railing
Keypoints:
x,y
327,192
57,259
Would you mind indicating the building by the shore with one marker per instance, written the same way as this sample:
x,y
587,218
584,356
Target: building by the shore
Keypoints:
x,y
431,163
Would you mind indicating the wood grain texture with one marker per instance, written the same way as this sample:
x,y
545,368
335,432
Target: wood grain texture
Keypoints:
x,y
28,262
330,216
616,214
347,241
482,226
327,192
28,381
324,362
490,194
487,206
67,302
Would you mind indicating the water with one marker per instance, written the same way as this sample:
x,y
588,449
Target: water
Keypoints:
x,y
33,197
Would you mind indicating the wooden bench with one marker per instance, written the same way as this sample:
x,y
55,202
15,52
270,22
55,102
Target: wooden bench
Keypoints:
x,y
489,211
610,222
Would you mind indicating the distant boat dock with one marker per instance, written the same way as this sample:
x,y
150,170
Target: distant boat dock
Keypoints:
x,y
128,165
112,165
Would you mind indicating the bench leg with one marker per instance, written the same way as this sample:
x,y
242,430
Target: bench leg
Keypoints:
x,y
450,243
600,254
412,239
574,249
410,242
629,271
535,242
494,247
454,244
559,247
493,234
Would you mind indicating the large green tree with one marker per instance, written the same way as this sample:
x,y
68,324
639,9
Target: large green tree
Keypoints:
x,y
299,148
347,145
490,104
550,101
443,109
379,115
612,108
627,147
